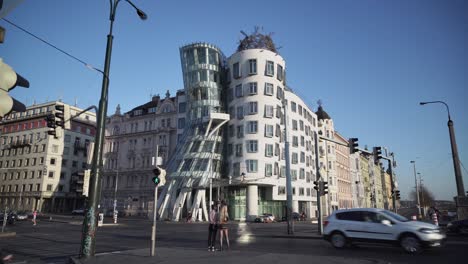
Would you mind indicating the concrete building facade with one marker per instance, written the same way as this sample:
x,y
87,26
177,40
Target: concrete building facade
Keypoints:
x,y
39,171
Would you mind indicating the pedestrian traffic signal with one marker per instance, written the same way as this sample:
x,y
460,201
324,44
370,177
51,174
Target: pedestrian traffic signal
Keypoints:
x,y
397,192
353,145
316,185
377,154
324,187
156,172
9,79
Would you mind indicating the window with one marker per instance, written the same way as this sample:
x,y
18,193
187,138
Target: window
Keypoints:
x,y
268,170
238,91
269,111
252,127
269,130
281,190
181,123
280,73
294,124
294,158
252,66
231,130
252,146
269,89
240,112
295,142
229,149
49,187
236,71
52,161
51,174
62,175
270,68
252,88
253,108
238,150
279,92
240,131
293,107
182,107
268,150
251,165
299,110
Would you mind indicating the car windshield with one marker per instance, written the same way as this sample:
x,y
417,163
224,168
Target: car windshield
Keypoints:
x,y
395,216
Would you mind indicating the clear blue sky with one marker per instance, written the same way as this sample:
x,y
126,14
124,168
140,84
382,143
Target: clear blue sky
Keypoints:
x,y
369,61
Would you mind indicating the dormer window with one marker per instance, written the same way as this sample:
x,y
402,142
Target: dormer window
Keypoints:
x,y
137,112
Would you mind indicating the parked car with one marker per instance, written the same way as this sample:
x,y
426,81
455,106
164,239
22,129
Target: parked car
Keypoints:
x,y
459,227
78,211
345,227
22,215
11,218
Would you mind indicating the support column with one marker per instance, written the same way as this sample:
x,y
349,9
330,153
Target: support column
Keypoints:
x,y
295,206
252,202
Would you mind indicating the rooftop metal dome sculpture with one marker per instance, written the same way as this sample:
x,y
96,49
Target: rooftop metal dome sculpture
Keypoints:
x,y
321,114
257,40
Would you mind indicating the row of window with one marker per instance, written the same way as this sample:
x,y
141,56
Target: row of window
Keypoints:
x,y
30,112
148,126
252,70
32,175
310,191
28,188
251,166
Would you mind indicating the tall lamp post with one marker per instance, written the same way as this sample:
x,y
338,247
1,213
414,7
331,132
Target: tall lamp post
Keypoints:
x,y
453,143
88,240
417,189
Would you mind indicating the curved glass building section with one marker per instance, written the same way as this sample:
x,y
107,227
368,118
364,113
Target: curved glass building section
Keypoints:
x,y
199,155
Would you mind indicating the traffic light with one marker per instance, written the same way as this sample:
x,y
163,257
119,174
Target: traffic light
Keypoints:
x,y
316,185
377,154
51,124
353,145
156,179
9,79
159,176
324,187
60,114
397,192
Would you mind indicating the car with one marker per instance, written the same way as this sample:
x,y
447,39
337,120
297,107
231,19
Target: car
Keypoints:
x,y
350,226
11,218
22,215
268,217
459,227
78,211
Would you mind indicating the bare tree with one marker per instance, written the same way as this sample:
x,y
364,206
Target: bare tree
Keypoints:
x,y
426,198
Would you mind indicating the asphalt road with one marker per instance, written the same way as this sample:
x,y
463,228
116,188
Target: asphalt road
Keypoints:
x,y
54,242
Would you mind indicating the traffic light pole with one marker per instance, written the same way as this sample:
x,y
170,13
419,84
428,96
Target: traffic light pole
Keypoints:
x,y
319,192
155,207
153,230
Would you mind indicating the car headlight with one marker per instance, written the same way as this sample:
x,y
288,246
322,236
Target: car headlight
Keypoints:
x,y
428,231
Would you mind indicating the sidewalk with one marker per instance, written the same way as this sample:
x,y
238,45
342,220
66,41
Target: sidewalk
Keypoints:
x,y
201,256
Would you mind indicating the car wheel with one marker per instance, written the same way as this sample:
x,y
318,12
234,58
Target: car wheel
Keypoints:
x,y
338,240
410,244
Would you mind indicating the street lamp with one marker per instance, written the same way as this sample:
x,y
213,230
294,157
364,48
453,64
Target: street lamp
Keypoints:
x,y
417,189
453,143
87,248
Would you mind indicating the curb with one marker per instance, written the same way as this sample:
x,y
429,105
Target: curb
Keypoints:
x,y
8,234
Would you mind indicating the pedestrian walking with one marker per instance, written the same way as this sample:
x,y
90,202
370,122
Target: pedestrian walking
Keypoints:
x,y
212,228
34,217
222,226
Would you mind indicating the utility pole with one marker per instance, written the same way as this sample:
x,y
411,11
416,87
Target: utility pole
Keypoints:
x,y
417,189
288,171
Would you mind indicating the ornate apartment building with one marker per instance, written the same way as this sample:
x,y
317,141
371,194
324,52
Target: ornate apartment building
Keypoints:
x,y
132,141
39,171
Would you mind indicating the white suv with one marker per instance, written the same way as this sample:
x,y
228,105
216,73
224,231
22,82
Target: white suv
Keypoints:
x,y
377,225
